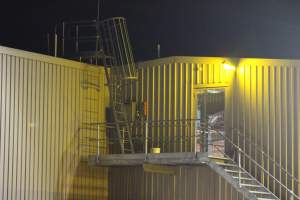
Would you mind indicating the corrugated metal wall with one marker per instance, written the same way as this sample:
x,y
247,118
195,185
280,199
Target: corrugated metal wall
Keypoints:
x,y
43,102
168,86
266,110
188,183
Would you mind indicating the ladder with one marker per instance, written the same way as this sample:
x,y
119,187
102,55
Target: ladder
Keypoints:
x,y
88,138
118,58
121,122
106,42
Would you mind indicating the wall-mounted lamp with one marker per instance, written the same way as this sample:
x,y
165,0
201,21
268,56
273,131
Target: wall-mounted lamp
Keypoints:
x,y
228,66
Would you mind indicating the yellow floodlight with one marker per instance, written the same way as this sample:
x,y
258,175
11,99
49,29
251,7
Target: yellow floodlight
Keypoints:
x,y
228,67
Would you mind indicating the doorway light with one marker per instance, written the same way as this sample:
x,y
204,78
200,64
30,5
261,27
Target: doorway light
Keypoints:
x,y
214,91
228,66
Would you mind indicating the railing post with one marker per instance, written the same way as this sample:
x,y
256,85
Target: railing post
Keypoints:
x,y
146,137
195,138
240,166
98,139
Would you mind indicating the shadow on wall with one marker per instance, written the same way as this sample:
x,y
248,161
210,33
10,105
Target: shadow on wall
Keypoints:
x,y
78,180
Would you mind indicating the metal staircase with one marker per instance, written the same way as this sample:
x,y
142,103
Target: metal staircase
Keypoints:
x,y
230,161
106,43
244,179
120,78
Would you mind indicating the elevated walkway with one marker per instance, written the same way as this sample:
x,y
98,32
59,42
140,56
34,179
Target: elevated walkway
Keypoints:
x,y
211,148
242,181
141,158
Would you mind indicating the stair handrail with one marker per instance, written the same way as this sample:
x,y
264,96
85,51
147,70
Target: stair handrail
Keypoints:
x,y
257,147
240,168
261,167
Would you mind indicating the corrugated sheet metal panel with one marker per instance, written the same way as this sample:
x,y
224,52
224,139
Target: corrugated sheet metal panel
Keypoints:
x,y
267,112
168,86
131,183
42,106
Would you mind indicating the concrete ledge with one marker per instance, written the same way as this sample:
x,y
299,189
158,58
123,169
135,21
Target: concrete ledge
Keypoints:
x,y
140,159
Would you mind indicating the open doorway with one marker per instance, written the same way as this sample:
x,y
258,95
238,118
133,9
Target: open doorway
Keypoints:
x,y
210,106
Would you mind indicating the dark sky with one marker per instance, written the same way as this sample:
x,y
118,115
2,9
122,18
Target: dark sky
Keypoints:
x,y
252,28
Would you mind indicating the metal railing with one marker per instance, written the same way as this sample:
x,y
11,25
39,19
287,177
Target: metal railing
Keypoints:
x,y
187,135
263,156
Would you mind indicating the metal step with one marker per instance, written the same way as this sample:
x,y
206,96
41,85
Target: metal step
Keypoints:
x,y
251,185
226,164
259,192
233,171
244,178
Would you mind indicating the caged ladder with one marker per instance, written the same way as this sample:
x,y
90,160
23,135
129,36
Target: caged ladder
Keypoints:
x,y
119,58
107,42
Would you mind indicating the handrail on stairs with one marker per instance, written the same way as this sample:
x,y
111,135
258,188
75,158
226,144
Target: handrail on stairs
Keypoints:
x,y
261,167
258,148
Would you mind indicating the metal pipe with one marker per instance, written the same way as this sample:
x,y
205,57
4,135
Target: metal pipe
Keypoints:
x,y
55,42
240,166
63,39
146,137
77,38
98,140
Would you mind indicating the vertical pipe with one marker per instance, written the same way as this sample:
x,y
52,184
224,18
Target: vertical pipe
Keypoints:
x,y
55,42
195,143
146,137
98,140
158,50
77,42
63,39
240,165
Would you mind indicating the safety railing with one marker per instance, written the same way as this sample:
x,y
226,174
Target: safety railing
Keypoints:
x,y
262,159
166,135
188,135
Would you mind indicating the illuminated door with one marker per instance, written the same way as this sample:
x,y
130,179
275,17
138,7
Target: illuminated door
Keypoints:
x,y
210,106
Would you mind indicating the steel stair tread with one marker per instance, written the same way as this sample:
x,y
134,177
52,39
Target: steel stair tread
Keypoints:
x,y
260,192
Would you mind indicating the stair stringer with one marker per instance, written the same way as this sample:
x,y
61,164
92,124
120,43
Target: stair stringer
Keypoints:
x,y
221,172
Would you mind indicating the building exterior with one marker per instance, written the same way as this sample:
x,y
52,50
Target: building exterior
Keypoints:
x,y
44,103
46,145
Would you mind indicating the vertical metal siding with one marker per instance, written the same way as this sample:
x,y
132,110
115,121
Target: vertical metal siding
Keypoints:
x,y
42,105
266,111
168,86
189,183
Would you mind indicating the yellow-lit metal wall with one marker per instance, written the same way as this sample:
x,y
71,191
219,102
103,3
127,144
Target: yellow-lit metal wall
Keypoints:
x,y
43,103
188,183
169,86
266,111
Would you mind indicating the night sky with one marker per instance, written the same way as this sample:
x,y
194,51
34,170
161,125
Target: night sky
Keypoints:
x,y
253,28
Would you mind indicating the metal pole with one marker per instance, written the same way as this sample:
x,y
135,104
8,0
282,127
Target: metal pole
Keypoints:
x,y
55,42
98,140
146,137
63,39
239,160
158,50
195,134
77,35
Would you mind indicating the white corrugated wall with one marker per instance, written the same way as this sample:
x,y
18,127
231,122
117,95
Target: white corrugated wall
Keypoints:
x,y
188,183
266,111
43,103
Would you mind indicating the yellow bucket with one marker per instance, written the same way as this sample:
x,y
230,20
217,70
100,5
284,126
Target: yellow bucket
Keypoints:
x,y
155,150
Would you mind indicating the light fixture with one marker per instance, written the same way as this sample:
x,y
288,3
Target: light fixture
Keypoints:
x,y
228,66
214,91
